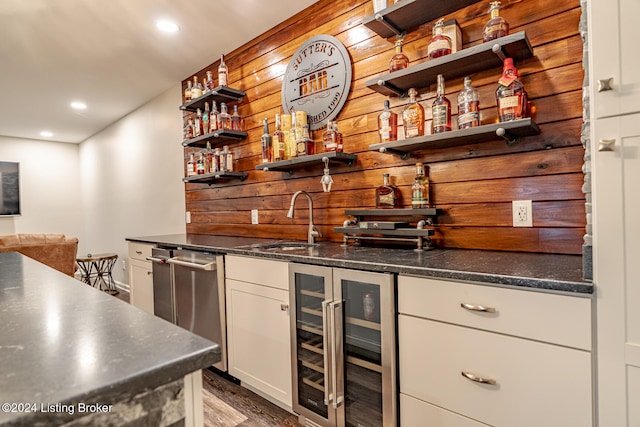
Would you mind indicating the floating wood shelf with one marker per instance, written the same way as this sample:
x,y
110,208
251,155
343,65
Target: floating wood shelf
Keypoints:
x,y
218,137
218,94
459,64
304,161
392,212
212,178
509,131
398,18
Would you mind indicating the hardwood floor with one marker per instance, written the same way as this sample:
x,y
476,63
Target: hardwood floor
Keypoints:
x,y
229,405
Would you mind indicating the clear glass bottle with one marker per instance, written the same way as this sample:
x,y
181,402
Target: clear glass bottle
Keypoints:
x,y
191,165
338,137
413,116
278,141
236,120
191,128
205,118
497,26
468,106
198,122
213,117
267,143
440,44
210,83
441,109
286,130
200,164
293,136
208,157
224,118
187,92
511,96
387,195
215,166
185,127
196,89
223,73
399,60
329,138
229,155
387,124
420,188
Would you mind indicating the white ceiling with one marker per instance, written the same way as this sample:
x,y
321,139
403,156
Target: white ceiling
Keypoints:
x,y
110,55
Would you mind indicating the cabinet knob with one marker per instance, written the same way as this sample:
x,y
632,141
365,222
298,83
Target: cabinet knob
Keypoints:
x,y
606,145
605,85
284,307
149,273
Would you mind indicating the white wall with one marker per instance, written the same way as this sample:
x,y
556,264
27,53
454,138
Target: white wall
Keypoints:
x,y
49,187
131,179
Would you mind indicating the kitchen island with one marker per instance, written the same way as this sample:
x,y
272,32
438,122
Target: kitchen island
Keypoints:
x,y
70,353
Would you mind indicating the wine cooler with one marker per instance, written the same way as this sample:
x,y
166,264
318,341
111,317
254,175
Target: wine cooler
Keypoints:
x,y
343,327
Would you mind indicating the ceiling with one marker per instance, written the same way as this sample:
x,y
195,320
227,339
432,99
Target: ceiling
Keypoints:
x,y
109,55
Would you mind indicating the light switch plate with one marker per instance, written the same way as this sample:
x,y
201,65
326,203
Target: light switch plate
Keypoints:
x,y
254,216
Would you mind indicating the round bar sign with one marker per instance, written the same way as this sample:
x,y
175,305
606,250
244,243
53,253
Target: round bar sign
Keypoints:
x,y
317,80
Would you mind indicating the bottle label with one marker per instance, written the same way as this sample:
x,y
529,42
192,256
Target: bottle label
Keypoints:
x,y
440,115
222,79
471,118
229,162
493,29
387,199
196,93
438,45
509,102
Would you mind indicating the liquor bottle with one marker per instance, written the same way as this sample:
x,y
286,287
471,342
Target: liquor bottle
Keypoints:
x,y
213,117
236,120
387,124
278,141
329,138
387,195
399,60
198,123
185,127
200,164
187,92
497,26
413,116
210,83
440,44
191,128
338,136
420,189
223,73
208,157
224,119
286,130
196,89
228,159
511,96
191,165
441,109
215,166
293,136
267,143
205,119
305,146
468,106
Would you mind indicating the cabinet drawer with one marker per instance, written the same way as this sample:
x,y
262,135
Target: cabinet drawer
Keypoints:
x,y
140,251
415,412
554,318
265,272
537,384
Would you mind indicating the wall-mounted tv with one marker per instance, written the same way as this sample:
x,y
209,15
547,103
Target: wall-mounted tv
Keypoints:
x,y
9,188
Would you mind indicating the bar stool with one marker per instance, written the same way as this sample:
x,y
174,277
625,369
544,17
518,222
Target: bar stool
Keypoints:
x,y
96,270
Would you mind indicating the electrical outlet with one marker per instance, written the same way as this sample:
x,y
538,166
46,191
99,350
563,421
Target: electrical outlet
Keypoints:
x,y
124,265
254,216
187,217
522,213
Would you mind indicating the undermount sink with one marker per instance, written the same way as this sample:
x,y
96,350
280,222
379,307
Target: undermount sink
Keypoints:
x,y
284,246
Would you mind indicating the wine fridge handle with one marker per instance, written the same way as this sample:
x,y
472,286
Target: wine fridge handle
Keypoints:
x,y
337,355
326,350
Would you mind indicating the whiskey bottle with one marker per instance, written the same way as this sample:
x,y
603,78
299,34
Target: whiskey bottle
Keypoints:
x,y
187,92
338,137
278,141
511,96
294,135
208,157
205,119
497,26
440,44
387,124
267,143
191,128
196,89
191,165
223,73
286,130
468,106
215,166
226,159
413,116
224,119
329,138
387,195
210,83
399,60
200,164
441,109
198,122
420,189
236,120
305,146
213,117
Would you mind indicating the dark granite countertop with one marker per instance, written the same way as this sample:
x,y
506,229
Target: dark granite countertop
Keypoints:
x,y
63,342
561,273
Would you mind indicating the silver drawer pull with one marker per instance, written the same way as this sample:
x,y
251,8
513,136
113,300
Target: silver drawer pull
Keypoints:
x,y
473,307
476,379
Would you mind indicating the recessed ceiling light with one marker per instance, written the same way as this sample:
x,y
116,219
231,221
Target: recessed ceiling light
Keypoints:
x,y
77,105
167,26
46,134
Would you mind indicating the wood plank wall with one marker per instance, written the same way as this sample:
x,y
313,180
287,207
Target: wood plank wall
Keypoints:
x,y
473,185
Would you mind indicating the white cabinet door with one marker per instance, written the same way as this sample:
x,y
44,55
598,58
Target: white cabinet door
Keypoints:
x,y
258,338
616,203
613,40
141,284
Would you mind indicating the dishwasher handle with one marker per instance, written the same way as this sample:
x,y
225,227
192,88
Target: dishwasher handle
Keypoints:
x,y
210,266
158,260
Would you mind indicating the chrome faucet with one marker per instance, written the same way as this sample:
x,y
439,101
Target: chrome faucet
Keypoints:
x,y
313,231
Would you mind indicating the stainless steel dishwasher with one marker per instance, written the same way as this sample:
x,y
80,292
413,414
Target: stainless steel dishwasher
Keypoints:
x,y
199,297
162,286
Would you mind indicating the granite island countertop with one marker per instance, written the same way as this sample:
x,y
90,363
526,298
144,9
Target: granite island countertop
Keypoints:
x,y
63,342
549,272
